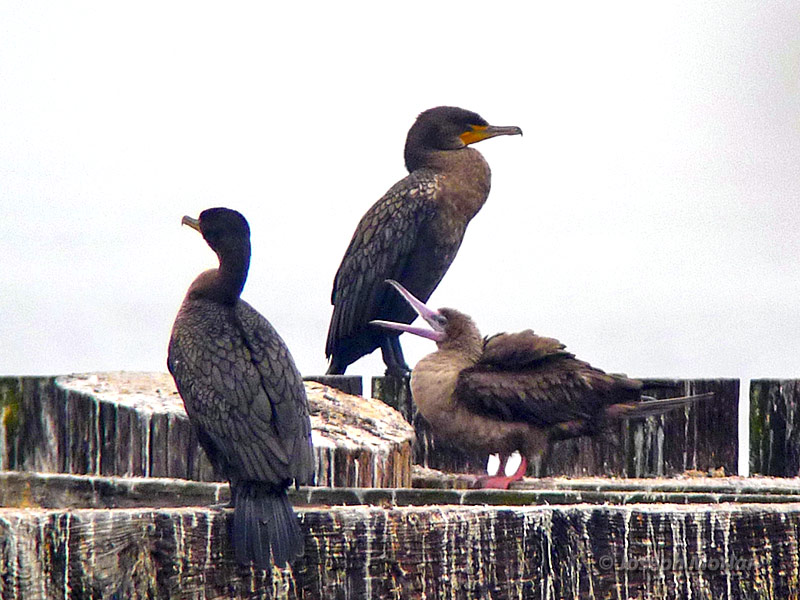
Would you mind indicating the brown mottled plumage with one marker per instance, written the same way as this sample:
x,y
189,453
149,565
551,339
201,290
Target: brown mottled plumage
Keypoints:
x,y
514,391
244,396
412,234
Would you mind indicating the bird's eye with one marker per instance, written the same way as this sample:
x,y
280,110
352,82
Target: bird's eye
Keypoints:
x,y
440,320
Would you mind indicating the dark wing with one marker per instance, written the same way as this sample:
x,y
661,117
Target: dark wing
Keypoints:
x,y
379,250
510,351
242,391
526,377
284,386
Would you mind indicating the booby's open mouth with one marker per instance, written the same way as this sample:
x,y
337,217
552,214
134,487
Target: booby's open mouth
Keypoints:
x,y
432,317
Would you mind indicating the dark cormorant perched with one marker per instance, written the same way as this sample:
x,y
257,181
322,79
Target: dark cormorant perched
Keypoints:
x,y
244,396
514,391
412,234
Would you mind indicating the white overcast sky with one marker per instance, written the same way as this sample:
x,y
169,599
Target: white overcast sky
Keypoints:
x,y
648,218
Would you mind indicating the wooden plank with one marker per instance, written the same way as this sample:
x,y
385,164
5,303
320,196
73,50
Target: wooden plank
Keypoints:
x,y
349,384
775,427
454,552
702,437
134,424
29,418
40,490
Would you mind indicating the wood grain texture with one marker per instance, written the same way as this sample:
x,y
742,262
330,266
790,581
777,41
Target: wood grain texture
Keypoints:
x,y
775,427
134,424
582,551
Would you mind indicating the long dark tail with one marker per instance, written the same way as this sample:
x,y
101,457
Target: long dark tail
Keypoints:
x,y
263,519
651,406
645,407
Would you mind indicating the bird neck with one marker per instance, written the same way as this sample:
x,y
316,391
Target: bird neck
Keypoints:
x,y
463,352
448,161
452,356
433,383
464,178
224,284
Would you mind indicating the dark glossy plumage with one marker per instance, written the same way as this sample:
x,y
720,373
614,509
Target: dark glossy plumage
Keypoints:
x,y
515,391
412,234
244,395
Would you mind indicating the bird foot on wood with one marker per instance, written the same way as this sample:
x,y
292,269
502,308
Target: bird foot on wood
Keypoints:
x,y
501,482
398,371
495,482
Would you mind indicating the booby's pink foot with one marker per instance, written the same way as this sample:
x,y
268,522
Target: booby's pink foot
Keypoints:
x,y
501,482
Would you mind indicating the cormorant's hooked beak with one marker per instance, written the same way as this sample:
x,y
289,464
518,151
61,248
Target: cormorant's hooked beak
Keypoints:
x,y
193,223
432,317
484,132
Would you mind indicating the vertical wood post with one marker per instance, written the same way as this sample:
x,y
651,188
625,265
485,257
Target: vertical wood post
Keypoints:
x,y
349,384
774,427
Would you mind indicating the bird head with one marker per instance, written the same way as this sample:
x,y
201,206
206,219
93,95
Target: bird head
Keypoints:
x,y
448,128
220,227
450,328
227,233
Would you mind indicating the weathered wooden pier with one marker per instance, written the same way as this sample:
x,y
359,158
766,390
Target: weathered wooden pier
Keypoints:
x,y
104,493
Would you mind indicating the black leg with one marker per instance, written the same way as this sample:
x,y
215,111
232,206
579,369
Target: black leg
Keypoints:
x,y
393,356
335,367
397,350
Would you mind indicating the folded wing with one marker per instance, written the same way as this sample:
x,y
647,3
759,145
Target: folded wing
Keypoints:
x,y
526,377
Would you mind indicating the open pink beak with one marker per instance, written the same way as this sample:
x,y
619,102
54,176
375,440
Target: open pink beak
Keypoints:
x,y
431,317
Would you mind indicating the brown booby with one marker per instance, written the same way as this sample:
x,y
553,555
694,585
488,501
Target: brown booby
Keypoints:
x,y
514,391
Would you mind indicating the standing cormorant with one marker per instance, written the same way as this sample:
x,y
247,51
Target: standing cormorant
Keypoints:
x,y
244,396
412,234
514,391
